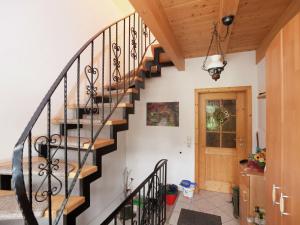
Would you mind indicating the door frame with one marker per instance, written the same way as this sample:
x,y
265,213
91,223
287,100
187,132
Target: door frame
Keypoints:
x,y
248,93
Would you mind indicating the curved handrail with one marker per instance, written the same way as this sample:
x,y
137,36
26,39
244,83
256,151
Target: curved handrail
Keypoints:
x,y
25,203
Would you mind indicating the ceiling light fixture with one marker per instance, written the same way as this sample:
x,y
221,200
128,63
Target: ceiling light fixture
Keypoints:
x,y
215,64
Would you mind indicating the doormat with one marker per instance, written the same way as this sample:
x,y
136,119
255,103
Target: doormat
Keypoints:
x,y
189,217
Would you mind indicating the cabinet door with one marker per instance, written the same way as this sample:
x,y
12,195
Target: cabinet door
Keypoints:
x,y
291,121
244,204
274,130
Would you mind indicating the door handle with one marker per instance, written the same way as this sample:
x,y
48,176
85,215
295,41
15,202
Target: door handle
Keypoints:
x,y
274,190
282,204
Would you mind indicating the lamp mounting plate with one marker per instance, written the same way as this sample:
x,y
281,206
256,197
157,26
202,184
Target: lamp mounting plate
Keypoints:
x,y
228,20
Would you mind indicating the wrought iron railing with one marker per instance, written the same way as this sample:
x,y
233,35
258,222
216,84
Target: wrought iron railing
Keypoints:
x,y
104,67
146,204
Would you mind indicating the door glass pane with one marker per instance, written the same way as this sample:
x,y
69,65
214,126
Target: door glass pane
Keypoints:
x,y
230,124
212,139
228,140
221,123
211,122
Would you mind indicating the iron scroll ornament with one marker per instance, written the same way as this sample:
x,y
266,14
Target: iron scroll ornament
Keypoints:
x,y
48,167
116,62
92,75
133,52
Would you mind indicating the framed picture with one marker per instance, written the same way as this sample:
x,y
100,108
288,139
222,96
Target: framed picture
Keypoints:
x,y
163,114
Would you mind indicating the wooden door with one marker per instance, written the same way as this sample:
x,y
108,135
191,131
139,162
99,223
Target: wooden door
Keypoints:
x,y
274,84
291,122
222,139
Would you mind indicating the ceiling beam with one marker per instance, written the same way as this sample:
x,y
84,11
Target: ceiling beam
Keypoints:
x,y
288,13
227,7
154,16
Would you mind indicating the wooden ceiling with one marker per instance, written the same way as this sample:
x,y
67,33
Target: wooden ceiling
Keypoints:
x,y
191,22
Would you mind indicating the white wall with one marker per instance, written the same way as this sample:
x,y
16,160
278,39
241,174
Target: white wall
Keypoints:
x,y
37,40
146,144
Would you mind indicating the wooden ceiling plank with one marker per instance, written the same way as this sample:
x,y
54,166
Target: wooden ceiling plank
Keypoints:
x,y
288,13
154,16
227,7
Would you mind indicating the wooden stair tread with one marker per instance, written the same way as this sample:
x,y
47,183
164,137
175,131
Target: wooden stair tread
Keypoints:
x,y
106,105
84,142
6,168
121,83
73,203
88,122
114,93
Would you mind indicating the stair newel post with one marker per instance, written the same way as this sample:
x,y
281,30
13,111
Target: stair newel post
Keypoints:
x,y
103,71
30,167
49,162
165,191
66,134
78,111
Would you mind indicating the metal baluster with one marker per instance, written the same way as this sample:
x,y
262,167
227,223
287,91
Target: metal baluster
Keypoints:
x,y
30,166
165,183
117,70
115,220
49,172
149,36
131,211
139,31
66,135
124,35
103,62
124,213
78,111
153,199
144,203
157,198
161,197
92,91
139,216
129,74
134,58
110,100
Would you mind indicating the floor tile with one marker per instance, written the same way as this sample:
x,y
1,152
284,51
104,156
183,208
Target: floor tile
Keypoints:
x,y
174,218
231,222
208,202
225,218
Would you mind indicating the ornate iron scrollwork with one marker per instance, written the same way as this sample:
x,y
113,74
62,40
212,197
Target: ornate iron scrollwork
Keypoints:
x,y
145,32
133,52
48,167
116,62
91,89
152,204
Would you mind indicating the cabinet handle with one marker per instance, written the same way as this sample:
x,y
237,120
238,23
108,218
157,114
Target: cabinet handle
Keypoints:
x,y
274,190
282,204
244,174
245,196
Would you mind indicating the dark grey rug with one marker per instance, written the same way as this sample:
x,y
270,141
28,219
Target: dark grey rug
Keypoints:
x,y
189,217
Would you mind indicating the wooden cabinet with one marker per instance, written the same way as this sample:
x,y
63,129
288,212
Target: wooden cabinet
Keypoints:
x,y
283,126
252,193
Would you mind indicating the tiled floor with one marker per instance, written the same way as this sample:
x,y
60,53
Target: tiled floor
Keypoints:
x,y
207,202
